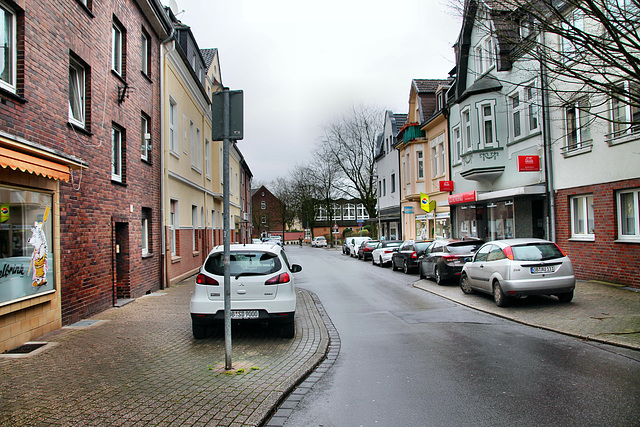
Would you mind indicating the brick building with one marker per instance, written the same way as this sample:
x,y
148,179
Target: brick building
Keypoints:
x,y
266,213
79,101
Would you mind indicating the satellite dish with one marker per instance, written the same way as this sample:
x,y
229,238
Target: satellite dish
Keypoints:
x,y
173,6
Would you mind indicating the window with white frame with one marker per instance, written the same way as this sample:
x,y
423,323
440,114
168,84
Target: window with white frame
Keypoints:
x,y
582,223
466,129
628,207
625,114
349,211
145,53
116,154
434,160
117,51
574,22
173,226
8,59
531,98
321,214
263,205
145,137
335,211
577,124
263,219
488,124
198,149
485,55
173,117
207,158
362,212
146,237
77,79
192,143
437,156
457,144
420,160
515,115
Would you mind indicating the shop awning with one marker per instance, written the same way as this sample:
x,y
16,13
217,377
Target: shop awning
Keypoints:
x,y
28,163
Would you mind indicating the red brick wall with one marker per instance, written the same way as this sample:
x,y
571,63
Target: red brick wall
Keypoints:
x,y
272,212
90,201
602,259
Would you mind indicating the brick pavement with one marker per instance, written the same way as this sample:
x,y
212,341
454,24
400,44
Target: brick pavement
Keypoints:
x,y
139,365
600,311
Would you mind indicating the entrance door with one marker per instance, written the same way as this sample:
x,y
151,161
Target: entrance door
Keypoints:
x,y
121,251
537,217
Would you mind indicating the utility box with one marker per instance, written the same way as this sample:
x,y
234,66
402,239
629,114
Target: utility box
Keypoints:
x,y
236,111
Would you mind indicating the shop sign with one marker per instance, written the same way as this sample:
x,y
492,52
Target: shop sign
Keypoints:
x,y
421,217
446,185
469,196
408,209
528,163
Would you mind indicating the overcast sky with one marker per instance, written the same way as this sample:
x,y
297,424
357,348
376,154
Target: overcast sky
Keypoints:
x,y
302,63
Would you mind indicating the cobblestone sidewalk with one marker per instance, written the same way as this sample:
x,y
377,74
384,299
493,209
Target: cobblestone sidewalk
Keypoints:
x,y
139,365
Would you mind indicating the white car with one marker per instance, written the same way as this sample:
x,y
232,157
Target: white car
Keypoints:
x,y
382,252
262,288
515,268
319,242
354,243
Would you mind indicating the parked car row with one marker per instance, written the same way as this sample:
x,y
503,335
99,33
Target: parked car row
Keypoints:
x,y
506,269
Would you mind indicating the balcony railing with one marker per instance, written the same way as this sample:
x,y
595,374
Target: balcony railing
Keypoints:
x,y
411,132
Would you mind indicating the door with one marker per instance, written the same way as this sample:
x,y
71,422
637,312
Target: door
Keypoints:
x,y
122,278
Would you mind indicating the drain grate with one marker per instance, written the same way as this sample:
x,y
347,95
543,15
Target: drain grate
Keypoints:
x,y
26,348
84,323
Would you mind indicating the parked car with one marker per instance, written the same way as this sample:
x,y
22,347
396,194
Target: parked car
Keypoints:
x,y
444,258
514,268
319,242
405,257
354,244
381,254
366,248
262,288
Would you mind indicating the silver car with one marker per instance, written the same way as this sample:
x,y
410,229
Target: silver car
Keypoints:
x,y
515,268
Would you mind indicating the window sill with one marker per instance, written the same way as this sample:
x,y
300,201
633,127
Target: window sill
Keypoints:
x,y
86,9
118,76
147,255
586,147
583,239
115,181
195,254
174,154
146,76
10,94
514,140
633,240
195,169
175,259
80,129
623,139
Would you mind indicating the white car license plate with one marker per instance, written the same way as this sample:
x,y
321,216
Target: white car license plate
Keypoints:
x,y
244,314
545,269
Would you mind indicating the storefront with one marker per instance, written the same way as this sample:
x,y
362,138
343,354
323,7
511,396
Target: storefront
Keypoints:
x,y
433,225
29,241
518,212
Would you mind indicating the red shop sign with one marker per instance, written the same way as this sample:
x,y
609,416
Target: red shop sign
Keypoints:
x,y
469,196
528,163
446,185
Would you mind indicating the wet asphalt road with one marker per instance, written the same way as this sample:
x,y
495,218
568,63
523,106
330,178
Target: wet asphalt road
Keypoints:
x,y
411,358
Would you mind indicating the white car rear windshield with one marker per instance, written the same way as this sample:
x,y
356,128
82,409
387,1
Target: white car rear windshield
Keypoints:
x,y
536,252
255,263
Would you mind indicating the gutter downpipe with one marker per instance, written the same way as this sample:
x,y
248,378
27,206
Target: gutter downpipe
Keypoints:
x,y
548,170
164,283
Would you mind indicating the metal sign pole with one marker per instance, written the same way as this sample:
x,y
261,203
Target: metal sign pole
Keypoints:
x,y
227,232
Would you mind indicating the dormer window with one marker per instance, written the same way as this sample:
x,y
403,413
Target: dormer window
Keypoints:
x,y
485,55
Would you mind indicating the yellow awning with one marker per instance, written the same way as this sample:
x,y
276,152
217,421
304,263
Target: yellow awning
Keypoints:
x,y
28,163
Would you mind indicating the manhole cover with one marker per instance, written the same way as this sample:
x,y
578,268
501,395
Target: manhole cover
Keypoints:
x,y
84,323
26,348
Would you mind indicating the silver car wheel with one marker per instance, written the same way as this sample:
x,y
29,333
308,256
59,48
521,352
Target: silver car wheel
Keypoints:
x,y
498,295
464,285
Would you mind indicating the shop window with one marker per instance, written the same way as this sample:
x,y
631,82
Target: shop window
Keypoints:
x,y
26,248
466,221
582,225
500,216
628,206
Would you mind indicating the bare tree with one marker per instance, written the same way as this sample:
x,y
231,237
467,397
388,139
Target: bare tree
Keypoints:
x,y
589,47
327,178
282,188
349,142
306,199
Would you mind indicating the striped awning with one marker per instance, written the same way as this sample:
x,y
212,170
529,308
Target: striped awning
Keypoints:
x,y
28,163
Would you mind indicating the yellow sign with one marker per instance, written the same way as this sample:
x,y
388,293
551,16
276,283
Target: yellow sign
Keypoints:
x,y
425,204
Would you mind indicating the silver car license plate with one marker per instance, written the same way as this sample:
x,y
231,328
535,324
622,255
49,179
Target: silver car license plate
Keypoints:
x,y
244,314
544,269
